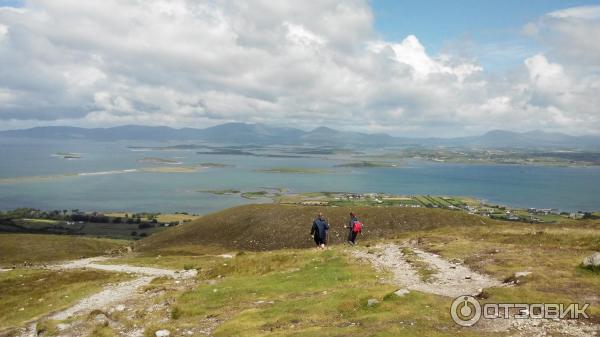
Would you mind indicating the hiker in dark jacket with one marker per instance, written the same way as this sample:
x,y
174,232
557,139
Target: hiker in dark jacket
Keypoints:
x,y
354,227
319,231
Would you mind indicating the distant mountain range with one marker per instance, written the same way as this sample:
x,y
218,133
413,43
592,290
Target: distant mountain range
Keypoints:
x,y
260,134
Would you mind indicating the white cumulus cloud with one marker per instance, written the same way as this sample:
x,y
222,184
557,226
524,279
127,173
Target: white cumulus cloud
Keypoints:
x,y
200,63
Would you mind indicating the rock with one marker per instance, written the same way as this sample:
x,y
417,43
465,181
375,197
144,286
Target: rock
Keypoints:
x,y
372,302
468,277
62,326
101,319
478,292
162,333
401,292
120,307
522,274
592,260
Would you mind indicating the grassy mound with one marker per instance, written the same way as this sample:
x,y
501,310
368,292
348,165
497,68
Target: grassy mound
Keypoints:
x,y
37,248
31,293
268,227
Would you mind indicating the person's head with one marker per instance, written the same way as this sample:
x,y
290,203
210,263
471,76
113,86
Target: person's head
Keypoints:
x,y
320,215
352,215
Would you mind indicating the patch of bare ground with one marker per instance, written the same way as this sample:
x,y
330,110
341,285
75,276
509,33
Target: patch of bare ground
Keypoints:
x,y
450,279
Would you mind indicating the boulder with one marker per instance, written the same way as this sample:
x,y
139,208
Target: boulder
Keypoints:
x,y
372,302
592,260
162,333
62,326
101,319
401,292
477,292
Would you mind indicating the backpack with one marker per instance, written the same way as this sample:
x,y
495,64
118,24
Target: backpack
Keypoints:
x,y
357,226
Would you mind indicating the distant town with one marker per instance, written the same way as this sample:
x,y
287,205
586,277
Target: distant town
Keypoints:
x,y
470,205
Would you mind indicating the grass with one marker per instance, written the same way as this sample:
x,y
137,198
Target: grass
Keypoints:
x,y
304,292
162,217
18,248
42,221
255,194
174,262
309,293
552,254
171,217
271,287
426,273
276,226
28,293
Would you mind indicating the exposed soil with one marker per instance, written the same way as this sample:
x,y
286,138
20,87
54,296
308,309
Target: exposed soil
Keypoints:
x,y
113,298
453,280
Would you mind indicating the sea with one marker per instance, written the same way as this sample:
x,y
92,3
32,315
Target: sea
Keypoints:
x,y
110,176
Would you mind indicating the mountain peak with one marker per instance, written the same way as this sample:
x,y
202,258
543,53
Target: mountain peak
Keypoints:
x,y
323,129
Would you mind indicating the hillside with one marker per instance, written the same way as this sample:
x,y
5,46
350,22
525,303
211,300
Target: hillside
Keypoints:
x,y
37,248
243,133
267,227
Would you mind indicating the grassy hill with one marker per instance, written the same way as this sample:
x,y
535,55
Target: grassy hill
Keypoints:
x,y
37,248
267,227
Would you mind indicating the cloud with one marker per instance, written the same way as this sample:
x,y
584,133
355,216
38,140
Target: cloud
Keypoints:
x,y
200,63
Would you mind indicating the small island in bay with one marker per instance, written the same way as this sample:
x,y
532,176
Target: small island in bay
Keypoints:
x,y
298,170
221,192
368,164
67,155
172,169
157,160
215,165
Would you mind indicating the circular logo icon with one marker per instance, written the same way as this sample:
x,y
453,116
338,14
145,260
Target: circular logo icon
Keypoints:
x,y
465,310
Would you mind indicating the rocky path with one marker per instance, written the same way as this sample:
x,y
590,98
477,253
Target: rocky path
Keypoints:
x,y
112,294
453,280
115,293
448,279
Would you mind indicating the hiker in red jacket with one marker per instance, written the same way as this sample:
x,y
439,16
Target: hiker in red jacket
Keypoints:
x,y
355,227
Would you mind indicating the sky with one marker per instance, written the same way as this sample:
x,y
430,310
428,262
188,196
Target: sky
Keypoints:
x,y
407,68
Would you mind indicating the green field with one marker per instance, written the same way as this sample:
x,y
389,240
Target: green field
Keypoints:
x,y
270,285
18,248
276,226
299,292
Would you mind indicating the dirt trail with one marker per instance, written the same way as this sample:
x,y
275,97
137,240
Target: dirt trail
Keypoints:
x,y
121,268
454,280
114,293
111,294
449,279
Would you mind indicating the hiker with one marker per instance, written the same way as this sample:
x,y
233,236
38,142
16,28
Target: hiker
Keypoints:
x,y
319,231
355,227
